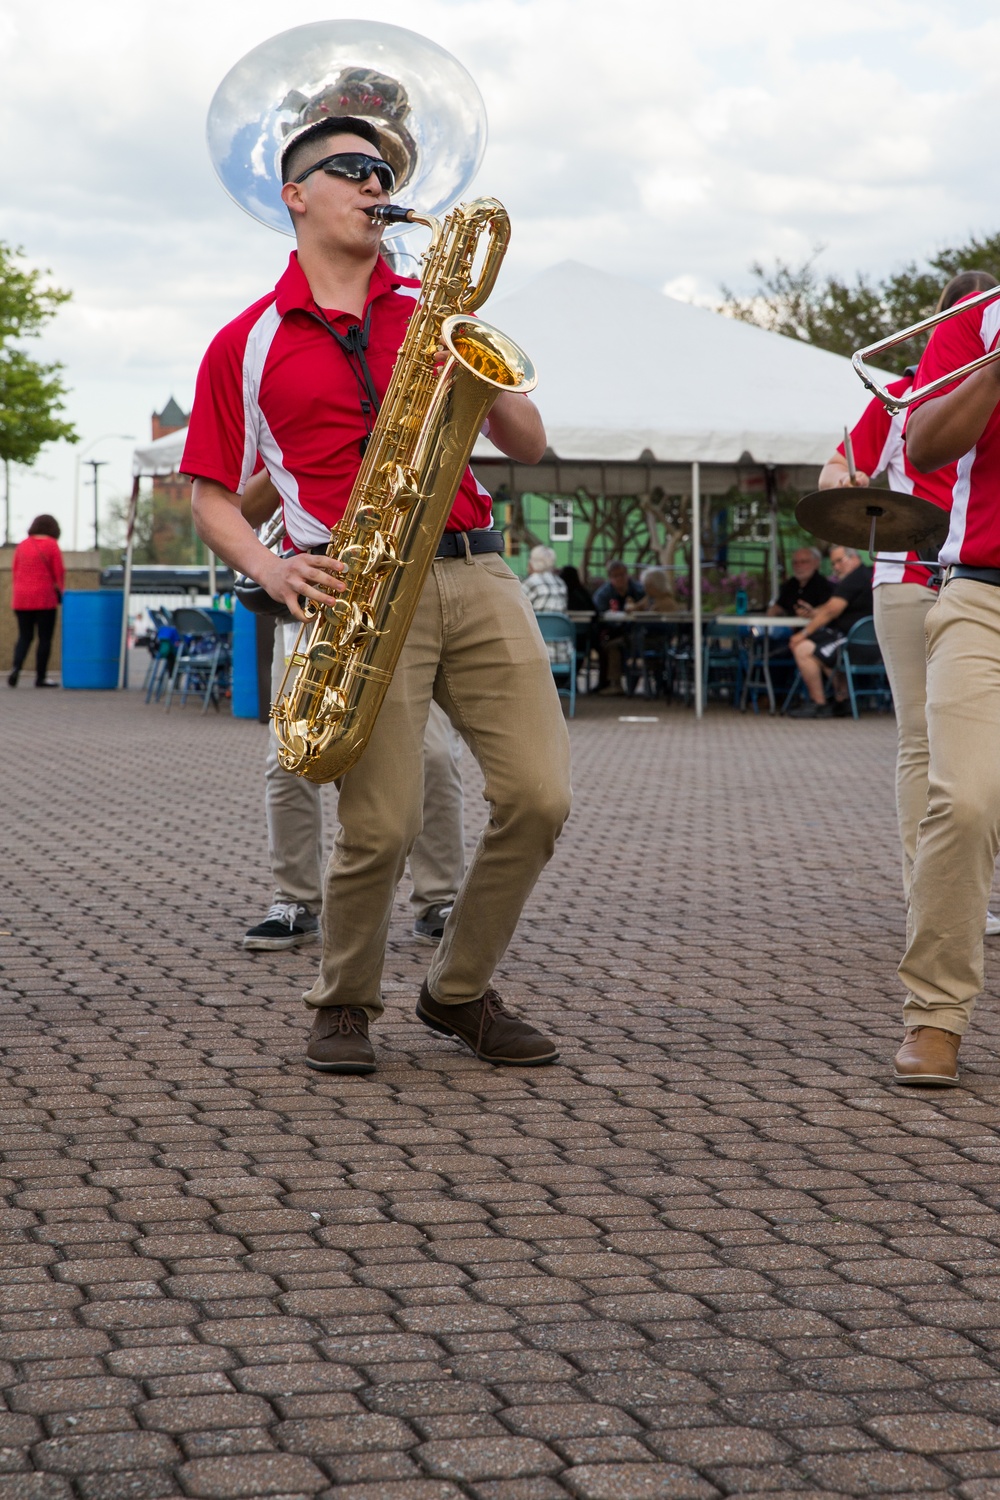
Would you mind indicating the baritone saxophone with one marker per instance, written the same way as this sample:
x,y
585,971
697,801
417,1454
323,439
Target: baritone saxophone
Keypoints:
x,y
449,371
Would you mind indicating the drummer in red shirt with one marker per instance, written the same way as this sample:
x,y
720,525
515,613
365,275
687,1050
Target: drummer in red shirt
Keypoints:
x,y
959,838
37,578
904,591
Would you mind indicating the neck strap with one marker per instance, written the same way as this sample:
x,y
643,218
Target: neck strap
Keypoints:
x,y
354,343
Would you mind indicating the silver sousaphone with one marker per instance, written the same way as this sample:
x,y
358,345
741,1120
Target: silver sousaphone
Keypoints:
x,y
425,106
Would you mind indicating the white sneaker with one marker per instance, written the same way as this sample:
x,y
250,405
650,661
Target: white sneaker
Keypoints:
x,y
992,924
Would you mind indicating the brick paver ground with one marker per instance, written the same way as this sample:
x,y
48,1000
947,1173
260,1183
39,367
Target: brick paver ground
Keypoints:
x,y
712,1252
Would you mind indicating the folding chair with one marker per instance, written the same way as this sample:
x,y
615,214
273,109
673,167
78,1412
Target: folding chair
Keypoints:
x,y
164,653
646,664
723,661
560,632
860,660
204,656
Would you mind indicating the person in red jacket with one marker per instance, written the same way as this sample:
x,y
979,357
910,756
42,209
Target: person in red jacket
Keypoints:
x,y
38,576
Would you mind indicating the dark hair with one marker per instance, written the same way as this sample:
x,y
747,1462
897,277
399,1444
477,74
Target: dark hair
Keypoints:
x,y
45,526
963,285
300,154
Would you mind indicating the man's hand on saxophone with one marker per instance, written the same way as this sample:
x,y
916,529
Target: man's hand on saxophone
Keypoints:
x,y
222,526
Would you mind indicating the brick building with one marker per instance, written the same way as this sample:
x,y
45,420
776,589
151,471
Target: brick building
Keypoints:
x,y
172,538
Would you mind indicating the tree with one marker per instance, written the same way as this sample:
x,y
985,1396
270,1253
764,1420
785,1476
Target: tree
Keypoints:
x,y
616,527
842,316
26,303
29,396
30,392
668,521
115,531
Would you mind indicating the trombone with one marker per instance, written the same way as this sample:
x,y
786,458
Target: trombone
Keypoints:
x,y
900,403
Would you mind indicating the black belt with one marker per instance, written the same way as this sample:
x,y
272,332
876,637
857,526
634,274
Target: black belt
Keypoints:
x,y
453,543
461,543
977,575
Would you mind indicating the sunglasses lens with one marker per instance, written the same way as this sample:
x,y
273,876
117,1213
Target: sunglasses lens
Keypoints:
x,y
358,168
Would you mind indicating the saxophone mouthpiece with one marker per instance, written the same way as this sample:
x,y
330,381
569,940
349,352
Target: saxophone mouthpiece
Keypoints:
x,y
391,213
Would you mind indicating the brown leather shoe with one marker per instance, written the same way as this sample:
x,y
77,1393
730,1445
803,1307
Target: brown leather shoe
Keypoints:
x,y
489,1029
338,1042
928,1056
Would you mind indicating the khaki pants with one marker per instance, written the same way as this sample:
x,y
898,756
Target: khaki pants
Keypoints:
x,y
960,836
475,648
900,616
294,811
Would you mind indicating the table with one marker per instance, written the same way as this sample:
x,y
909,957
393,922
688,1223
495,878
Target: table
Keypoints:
x,y
631,623
761,631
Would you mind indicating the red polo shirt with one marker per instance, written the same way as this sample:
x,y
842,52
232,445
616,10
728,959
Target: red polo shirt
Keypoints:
x,y
974,535
877,440
276,383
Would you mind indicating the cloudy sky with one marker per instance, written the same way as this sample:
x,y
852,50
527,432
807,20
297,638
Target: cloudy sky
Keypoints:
x,y
669,143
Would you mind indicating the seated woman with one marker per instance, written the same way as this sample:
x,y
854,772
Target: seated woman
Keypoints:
x,y
657,598
578,596
545,589
647,667
546,593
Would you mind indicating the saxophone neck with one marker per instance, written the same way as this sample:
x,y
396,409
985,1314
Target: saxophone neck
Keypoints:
x,y
395,213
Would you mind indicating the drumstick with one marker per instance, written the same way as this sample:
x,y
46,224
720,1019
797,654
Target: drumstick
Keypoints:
x,y
849,455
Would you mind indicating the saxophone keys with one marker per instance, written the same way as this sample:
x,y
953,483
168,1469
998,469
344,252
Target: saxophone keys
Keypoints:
x,y
404,491
324,656
357,559
334,704
369,518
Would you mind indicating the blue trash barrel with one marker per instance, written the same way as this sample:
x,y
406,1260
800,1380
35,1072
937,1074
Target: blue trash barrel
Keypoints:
x,y
246,700
91,637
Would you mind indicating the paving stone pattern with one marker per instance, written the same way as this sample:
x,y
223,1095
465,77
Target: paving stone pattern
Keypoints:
x,y
711,1252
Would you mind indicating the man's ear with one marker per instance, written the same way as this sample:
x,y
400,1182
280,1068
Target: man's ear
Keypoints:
x,y
293,198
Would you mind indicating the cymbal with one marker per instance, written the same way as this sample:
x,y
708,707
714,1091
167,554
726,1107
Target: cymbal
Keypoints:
x,y
867,517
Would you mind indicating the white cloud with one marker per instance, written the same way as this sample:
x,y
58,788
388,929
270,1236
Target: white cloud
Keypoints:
x,y
672,144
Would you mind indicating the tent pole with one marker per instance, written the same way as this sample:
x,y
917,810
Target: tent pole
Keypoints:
x,y
772,504
127,584
699,705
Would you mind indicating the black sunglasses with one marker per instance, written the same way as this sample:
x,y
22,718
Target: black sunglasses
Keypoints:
x,y
355,166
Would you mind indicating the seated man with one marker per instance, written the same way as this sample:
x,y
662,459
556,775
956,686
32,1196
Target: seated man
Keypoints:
x,y
815,648
806,590
619,589
614,597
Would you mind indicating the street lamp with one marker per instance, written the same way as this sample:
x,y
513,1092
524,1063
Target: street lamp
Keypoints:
x,y
124,437
95,464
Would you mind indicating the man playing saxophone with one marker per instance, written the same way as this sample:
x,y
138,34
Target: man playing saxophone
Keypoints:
x,y
298,378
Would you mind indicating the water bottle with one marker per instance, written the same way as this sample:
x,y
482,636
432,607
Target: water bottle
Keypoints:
x,y
742,602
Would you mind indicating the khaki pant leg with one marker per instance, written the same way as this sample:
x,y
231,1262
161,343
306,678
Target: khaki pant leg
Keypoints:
x,y
900,615
294,815
496,686
437,859
379,810
960,836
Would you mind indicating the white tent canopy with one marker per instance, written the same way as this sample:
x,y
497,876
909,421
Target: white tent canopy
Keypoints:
x,y
623,370
160,457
